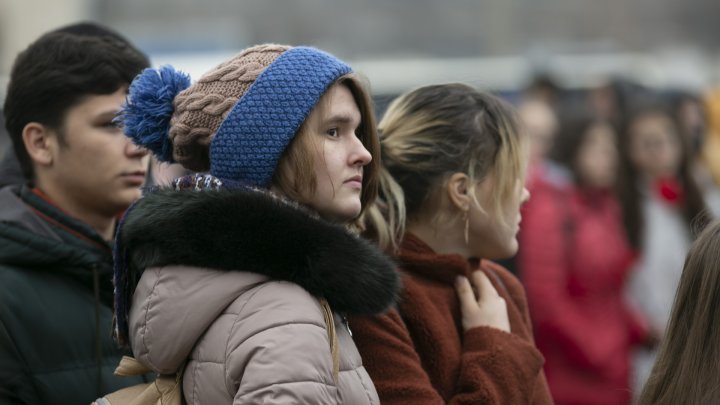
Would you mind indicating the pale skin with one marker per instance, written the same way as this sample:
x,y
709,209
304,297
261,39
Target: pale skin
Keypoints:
x,y
488,237
597,158
339,156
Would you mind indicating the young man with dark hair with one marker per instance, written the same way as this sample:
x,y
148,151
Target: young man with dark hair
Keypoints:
x,y
55,230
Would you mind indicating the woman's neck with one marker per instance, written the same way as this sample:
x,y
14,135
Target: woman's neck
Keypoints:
x,y
442,239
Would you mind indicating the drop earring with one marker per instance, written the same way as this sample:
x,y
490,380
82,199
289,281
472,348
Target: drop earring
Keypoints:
x,y
466,216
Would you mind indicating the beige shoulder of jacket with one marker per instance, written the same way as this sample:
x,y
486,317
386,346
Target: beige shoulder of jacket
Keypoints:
x,y
245,339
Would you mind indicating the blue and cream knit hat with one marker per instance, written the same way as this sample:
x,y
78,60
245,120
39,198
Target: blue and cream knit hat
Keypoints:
x,y
237,119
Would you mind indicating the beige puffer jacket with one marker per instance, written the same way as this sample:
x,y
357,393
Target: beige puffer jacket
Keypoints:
x,y
246,337
246,340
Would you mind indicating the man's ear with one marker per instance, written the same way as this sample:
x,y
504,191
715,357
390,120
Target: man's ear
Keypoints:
x,y
457,191
40,143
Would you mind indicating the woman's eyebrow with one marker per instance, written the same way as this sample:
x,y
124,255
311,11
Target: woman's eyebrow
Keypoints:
x,y
342,118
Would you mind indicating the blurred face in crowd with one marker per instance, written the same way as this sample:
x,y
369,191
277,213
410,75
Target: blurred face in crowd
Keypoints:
x,y
603,101
597,158
339,155
94,166
654,145
692,121
540,124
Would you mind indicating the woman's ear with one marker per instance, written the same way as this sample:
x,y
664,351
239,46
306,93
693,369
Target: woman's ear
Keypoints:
x,y
39,143
457,191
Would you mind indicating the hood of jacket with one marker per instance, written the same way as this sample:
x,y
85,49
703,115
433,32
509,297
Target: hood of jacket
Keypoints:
x,y
34,235
10,172
254,231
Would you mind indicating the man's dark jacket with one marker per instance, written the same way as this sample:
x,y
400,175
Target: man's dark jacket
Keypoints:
x,y
56,343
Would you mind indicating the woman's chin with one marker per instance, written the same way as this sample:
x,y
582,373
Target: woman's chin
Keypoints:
x,y
342,216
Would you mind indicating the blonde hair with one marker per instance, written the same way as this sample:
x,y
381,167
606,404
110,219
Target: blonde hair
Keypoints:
x,y
687,369
432,132
295,174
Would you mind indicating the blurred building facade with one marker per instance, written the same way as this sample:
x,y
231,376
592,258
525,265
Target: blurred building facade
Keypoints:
x,y
492,43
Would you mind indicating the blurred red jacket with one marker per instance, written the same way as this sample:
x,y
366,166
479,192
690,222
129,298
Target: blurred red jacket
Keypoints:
x,y
574,260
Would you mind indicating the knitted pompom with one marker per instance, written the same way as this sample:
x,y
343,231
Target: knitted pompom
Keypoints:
x,y
146,115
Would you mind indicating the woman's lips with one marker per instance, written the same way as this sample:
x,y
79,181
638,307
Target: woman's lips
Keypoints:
x,y
355,182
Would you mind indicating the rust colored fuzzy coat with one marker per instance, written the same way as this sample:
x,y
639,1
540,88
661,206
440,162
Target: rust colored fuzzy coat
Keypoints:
x,y
419,354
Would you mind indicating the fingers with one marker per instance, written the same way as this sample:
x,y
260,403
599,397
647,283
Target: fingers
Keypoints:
x,y
489,309
466,295
483,285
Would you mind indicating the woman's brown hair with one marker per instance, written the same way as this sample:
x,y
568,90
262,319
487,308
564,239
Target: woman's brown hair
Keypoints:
x,y
687,369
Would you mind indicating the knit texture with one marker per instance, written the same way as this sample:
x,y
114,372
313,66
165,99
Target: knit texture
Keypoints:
x,y
260,126
200,109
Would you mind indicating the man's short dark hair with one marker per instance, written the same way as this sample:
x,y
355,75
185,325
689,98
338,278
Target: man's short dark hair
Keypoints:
x,y
57,72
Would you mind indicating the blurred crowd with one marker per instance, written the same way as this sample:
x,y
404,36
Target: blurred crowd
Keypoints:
x,y
622,178
611,186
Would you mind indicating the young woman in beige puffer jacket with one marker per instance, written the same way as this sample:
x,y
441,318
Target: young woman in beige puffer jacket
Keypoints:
x,y
242,277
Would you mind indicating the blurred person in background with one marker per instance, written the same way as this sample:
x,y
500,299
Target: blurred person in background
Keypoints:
x,y
452,183
689,111
56,227
539,122
611,99
543,88
263,246
662,207
691,115
545,178
687,370
711,148
575,258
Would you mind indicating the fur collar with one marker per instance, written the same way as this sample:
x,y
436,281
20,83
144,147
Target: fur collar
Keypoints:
x,y
249,230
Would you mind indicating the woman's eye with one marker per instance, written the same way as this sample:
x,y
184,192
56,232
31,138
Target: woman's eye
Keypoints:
x,y
332,132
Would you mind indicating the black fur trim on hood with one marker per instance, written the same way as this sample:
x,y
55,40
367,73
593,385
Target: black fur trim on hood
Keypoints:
x,y
248,230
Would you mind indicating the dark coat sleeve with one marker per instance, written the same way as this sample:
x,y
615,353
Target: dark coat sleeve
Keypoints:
x,y
15,384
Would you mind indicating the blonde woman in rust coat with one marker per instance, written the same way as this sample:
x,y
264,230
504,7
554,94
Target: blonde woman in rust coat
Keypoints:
x,y
242,277
453,181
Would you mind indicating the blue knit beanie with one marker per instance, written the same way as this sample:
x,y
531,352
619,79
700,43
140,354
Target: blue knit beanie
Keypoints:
x,y
237,120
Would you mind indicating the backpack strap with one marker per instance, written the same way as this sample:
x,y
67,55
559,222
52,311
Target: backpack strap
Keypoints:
x,y
165,390
130,366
